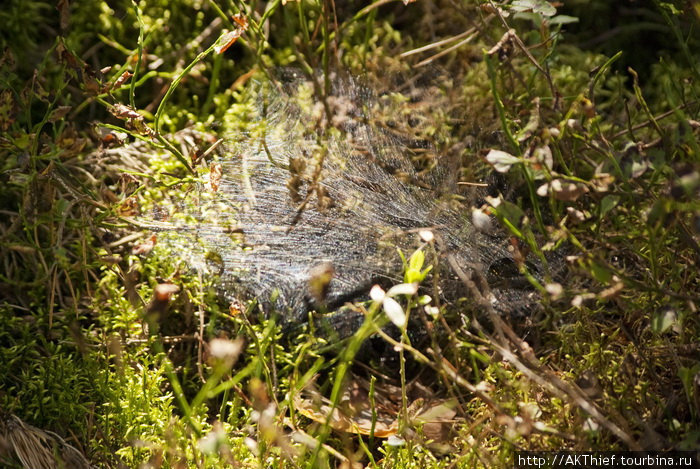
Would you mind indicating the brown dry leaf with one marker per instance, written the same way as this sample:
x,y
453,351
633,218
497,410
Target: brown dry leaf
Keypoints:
x,y
612,291
360,423
354,411
122,78
146,247
129,207
236,308
215,173
320,277
139,126
258,392
123,111
229,38
80,69
165,291
602,181
437,418
241,20
63,13
59,113
36,448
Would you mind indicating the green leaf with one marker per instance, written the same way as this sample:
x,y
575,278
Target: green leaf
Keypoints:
x,y
608,203
414,272
417,259
670,7
600,272
663,320
512,215
563,19
536,6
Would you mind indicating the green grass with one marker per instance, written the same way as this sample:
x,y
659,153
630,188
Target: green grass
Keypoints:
x,y
87,351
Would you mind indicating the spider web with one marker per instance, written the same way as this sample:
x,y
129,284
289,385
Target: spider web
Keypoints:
x,y
299,190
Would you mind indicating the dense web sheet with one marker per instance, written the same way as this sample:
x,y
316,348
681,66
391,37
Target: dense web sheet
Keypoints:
x,y
290,201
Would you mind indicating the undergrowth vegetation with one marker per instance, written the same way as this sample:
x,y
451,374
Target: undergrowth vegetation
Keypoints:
x,y
591,154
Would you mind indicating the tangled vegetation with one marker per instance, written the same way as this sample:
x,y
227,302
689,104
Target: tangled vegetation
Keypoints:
x,y
582,118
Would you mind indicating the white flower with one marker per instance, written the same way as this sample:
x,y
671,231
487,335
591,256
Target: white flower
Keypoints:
x,y
391,307
426,235
377,294
395,312
501,161
403,289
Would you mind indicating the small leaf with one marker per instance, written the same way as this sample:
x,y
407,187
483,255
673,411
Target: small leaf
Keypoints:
x,y
608,203
403,289
543,158
663,320
146,247
215,173
394,312
511,212
225,349
123,111
563,19
555,290
228,38
122,79
501,161
600,273
320,277
241,20
413,273
416,260
59,113
542,7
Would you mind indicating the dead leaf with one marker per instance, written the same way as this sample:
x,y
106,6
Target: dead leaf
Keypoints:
x,y
63,13
562,190
602,181
612,291
354,413
215,173
123,111
241,20
122,79
228,38
145,247
59,113
320,277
